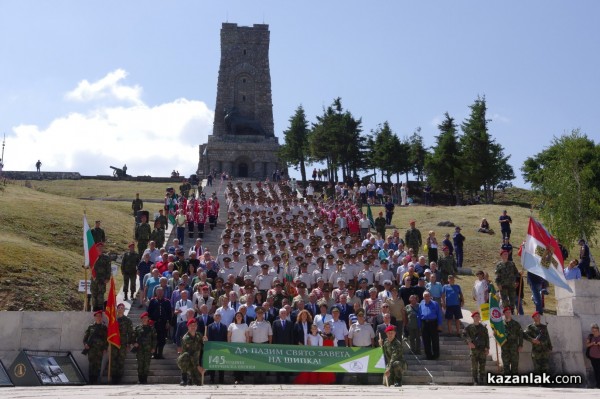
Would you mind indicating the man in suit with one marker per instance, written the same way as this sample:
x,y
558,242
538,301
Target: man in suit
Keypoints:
x,y
387,320
271,312
380,318
243,310
217,331
299,308
204,319
344,307
282,335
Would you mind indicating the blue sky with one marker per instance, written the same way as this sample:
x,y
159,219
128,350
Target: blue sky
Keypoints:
x,y
88,84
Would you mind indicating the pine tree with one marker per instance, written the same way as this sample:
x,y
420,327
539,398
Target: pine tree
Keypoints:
x,y
295,149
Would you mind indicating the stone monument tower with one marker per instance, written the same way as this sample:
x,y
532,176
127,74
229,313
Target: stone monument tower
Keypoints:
x,y
243,142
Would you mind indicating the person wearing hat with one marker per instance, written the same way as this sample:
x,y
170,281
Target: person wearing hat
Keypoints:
x,y
95,344
142,233
144,343
447,265
478,340
394,357
361,334
137,205
459,241
541,346
101,272
513,343
191,348
126,336
129,263
412,238
506,275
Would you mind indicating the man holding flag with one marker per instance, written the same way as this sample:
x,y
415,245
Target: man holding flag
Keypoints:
x,y
125,326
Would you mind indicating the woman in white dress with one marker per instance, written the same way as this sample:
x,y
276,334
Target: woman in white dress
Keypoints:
x,y
238,332
404,194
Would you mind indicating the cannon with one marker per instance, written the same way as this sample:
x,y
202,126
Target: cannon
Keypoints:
x,y
118,172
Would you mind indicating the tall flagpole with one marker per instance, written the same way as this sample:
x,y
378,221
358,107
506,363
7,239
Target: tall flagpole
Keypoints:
x,y
85,279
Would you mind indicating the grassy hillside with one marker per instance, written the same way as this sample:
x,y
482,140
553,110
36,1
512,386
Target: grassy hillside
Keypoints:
x,y
41,254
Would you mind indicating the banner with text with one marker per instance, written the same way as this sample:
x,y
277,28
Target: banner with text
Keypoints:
x,y
292,358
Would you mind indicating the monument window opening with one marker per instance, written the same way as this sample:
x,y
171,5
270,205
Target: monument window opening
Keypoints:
x,y
243,170
244,80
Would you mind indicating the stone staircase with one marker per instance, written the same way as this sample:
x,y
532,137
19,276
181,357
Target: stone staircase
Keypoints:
x,y
452,368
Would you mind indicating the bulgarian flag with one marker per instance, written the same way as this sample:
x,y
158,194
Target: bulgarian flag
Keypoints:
x,y
90,250
114,337
541,255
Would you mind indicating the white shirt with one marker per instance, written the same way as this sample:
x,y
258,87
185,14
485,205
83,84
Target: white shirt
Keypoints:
x,y
238,332
314,340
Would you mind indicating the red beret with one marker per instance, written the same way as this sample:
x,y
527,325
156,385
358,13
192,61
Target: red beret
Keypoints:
x,y
121,304
507,309
445,248
131,244
98,312
390,328
145,314
475,314
191,321
535,314
503,251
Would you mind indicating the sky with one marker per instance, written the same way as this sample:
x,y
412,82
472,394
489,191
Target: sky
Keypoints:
x,y
89,84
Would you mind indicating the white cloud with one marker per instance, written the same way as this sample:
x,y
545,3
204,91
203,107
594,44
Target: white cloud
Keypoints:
x,y
436,120
109,87
500,118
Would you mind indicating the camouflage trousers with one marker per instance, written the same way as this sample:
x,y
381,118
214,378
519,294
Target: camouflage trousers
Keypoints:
x,y
187,365
478,359
414,340
144,355
142,245
396,371
129,281
508,296
118,362
510,359
98,289
541,362
95,360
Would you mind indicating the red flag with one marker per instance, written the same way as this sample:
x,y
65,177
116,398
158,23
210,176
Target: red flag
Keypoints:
x,y
111,313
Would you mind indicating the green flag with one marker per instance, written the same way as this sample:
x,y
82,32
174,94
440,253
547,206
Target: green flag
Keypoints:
x,y
496,317
370,216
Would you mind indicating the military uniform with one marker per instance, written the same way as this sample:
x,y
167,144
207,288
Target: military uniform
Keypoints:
x,y
189,359
540,353
394,355
414,335
413,240
129,264
145,337
158,236
510,349
478,336
142,236
447,266
137,205
98,287
96,338
506,275
380,226
98,235
164,222
126,335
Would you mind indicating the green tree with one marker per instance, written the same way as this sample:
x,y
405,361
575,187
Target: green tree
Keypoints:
x,y
417,154
295,150
566,178
385,151
483,160
443,165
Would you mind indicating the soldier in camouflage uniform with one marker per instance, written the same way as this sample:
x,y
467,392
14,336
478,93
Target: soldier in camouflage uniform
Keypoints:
x,y
137,205
189,360
144,342
513,344
478,340
126,335
394,356
95,344
380,225
413,239
447,265
412,324
102,270
541,347
142,234
164,222
129,264
506,275
158,234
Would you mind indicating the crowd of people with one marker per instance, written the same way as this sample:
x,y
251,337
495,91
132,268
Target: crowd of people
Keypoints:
x,y
304,271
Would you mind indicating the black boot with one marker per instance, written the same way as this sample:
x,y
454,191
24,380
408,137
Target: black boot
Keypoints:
x,y
160,352
184,379
125,297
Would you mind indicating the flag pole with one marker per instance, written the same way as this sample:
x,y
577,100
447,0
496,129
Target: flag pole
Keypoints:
x,y
521,290
203,370
85,294
497,355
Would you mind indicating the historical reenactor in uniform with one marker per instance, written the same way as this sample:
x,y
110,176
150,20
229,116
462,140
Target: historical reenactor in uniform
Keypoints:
x,y
506,275
159,310
189,360
144,342
95,344
479,342
541,346
102,271
413,239
126,336
129,264
142,233
394,357
513,344
137,205
98,233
